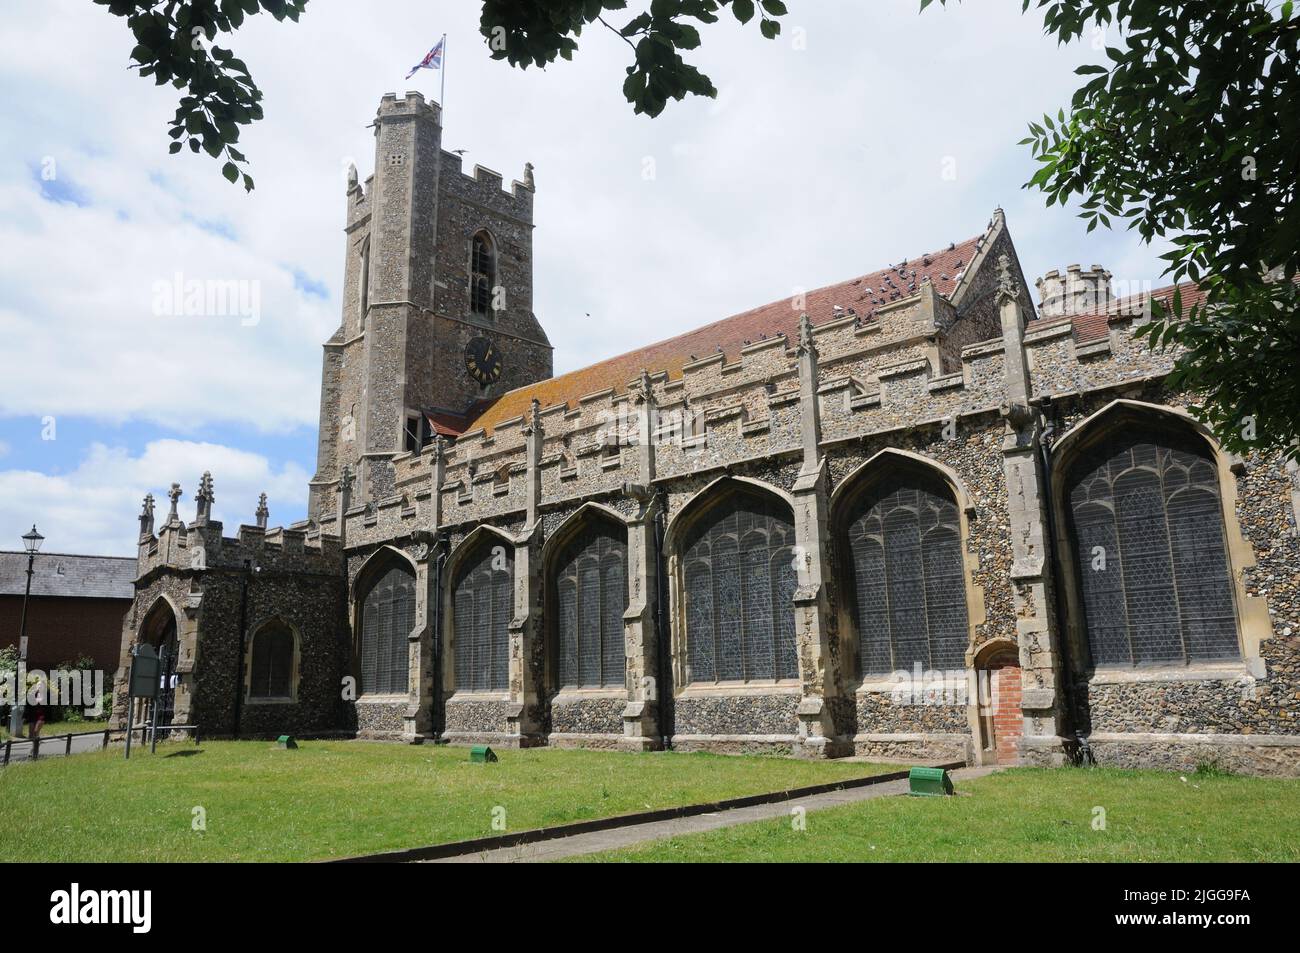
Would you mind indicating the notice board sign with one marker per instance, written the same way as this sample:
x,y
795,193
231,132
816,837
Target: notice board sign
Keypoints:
x,y
146,668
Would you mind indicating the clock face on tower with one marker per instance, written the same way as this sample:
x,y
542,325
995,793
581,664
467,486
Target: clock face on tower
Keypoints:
x,y
482,360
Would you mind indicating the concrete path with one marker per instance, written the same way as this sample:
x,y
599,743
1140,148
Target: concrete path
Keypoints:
x,y
52,746
596,841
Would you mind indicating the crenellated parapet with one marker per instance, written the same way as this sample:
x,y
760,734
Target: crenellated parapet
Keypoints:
x,y
1070,356
874,377
485,187
202,546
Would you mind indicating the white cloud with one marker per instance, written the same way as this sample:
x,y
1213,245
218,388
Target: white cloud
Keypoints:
x,y
92,509
86,336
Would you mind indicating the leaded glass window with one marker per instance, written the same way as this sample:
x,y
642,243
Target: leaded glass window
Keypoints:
x,y
387,618
1150,550
271,670
482,605
739,579
908,587
590,599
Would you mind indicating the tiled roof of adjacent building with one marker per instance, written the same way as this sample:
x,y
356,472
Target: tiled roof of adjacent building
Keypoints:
x,y
863,294
1092,326
69,576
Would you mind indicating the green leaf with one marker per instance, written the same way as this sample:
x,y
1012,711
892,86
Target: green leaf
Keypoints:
x,y
230,171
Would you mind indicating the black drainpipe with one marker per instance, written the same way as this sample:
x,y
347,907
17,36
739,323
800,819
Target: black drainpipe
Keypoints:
x,y
243,637
664,692
439,712
1072,720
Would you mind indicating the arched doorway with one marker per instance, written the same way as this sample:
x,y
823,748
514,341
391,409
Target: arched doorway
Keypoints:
x,y
1000,718
159,631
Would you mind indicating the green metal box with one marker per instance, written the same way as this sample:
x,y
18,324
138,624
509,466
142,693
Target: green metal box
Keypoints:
x,y
929,782
482,754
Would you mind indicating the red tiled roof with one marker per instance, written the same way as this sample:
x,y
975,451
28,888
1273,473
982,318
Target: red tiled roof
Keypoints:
x,y
447,424
863,294
1092,325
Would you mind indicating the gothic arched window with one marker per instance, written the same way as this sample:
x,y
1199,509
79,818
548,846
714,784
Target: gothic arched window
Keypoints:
x,y
271,663
387,618
738,583
483,596
906,574
590,597
1150,551
482,274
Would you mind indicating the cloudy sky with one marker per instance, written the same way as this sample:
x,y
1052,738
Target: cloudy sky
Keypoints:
x,y
865,134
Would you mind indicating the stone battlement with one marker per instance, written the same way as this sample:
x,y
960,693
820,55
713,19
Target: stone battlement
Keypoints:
x,y
483,185
412,104
201,545
487,186
875,377
1075,292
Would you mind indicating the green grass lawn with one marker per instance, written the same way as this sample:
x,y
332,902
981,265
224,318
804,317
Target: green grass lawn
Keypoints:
x,y
1027,814
338,798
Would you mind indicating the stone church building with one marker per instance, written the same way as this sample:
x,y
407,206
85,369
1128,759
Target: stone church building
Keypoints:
x,y
927,513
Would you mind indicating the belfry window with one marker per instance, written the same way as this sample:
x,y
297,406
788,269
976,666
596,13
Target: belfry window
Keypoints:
x,y
416,433
482,606
590,597
387,618
738,583
907,586
1150,551
271,668
483,274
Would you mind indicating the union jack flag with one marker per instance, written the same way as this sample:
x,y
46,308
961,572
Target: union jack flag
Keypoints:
x,y
432,59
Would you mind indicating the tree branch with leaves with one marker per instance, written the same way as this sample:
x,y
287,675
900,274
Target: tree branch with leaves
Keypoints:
x,y
175,43
1189,133
537,32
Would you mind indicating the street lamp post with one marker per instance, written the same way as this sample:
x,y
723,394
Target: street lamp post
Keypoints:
x,y
32,543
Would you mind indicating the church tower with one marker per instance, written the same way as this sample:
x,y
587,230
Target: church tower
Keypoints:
x,y
437,304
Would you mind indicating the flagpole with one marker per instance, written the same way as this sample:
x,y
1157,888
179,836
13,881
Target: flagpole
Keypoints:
x,y
442,93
